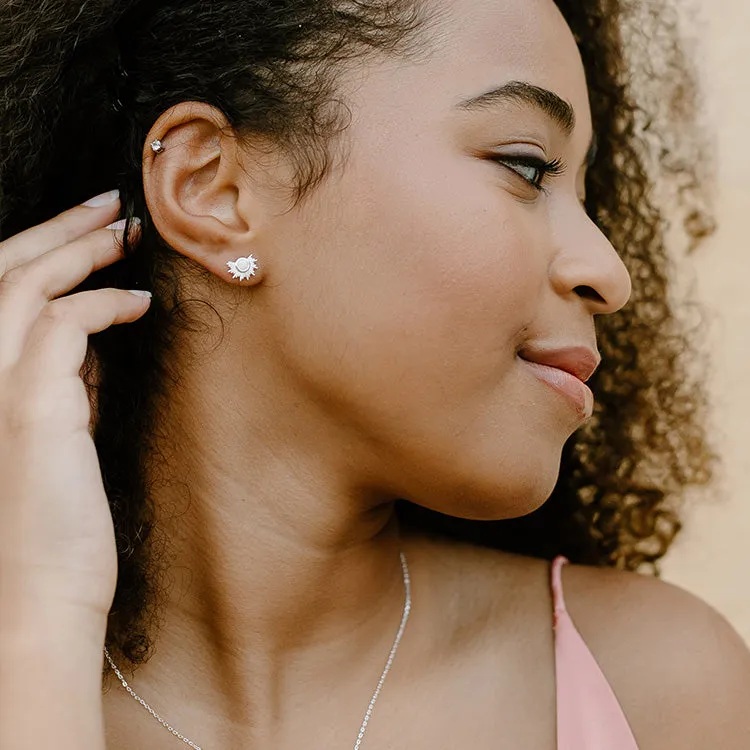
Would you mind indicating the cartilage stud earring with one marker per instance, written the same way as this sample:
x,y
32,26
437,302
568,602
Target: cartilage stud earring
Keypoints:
x,y
157,147
243,268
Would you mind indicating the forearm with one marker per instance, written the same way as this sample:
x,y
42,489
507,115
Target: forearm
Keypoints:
x,y
50,678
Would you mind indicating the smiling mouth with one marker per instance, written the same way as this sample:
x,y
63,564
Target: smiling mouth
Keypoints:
x,y
565,368
574,391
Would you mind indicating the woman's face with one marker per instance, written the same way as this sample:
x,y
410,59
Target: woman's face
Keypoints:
x,y
406,286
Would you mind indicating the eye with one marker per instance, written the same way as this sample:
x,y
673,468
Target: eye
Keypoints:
x,y
531,169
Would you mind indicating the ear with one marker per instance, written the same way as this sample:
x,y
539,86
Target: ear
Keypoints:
x,y
198,192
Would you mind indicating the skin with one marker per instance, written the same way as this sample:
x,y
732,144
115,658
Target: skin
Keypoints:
x,y
375,357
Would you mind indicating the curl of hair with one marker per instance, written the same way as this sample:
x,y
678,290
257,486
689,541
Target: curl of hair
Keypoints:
x,y
81,85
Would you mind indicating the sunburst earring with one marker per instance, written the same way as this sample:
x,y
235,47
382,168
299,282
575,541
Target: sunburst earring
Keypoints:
x,y
243,268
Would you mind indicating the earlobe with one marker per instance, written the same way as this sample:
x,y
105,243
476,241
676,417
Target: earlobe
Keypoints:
x,y
243,268
197,192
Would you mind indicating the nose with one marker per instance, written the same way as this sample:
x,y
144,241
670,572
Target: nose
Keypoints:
x,y
586,264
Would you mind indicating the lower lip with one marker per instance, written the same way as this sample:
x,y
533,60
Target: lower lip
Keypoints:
x,y
577,393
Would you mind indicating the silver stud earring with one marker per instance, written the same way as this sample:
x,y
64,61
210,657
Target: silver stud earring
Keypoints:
x,y
157,147
243,268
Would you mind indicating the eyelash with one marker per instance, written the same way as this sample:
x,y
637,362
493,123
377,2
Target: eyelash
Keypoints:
x,y
546,169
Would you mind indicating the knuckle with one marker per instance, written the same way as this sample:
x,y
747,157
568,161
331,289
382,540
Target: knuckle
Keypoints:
x,y
54,315
57,320
60,322
15,276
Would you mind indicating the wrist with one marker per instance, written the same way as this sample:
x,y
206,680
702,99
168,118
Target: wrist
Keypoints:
x,y
28,619
43,599
50,657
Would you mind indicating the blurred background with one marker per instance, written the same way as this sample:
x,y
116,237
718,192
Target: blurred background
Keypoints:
x,y
712,556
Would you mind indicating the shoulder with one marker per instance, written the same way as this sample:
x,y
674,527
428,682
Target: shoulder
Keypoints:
x,y
680,671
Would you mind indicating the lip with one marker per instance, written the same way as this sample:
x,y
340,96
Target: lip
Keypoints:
x,y
577,360
566,370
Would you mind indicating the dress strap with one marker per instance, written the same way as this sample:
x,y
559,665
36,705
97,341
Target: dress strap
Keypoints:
x,y
558,598
589,716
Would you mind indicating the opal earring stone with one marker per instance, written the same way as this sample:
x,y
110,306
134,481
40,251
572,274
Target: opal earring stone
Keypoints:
x,y
243,268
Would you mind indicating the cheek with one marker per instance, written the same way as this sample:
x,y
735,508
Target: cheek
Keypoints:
x,y
405,323
425,279
450,279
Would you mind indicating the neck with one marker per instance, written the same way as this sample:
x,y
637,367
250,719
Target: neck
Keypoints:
x,y
277,575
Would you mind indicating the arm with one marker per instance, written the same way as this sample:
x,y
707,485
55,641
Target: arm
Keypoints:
x,y
58,558
50,676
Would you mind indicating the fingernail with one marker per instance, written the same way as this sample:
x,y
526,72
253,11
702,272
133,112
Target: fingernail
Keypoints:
x,y
140,293
119,225
102,200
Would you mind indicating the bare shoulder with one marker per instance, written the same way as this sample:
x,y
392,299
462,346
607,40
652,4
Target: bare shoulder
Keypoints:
x,y
680,671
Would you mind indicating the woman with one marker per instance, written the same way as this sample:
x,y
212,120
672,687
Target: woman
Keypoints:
x,y
378,236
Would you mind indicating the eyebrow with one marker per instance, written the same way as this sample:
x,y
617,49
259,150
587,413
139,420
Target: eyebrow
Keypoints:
x,y
522,92
525,93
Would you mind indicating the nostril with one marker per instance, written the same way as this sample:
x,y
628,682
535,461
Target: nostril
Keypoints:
x,y
590,293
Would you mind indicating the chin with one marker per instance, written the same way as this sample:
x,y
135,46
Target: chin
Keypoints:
x,y
501,507
497,498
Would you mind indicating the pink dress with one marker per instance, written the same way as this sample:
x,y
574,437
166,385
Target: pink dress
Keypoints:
x,y
589,716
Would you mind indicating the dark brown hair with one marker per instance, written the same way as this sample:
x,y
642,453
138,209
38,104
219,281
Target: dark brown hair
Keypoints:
x,y
82,83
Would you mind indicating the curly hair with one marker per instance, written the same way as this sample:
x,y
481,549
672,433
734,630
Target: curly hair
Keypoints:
x,y
82,84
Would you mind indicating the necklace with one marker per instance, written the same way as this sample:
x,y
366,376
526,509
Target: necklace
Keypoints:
x,y
370,707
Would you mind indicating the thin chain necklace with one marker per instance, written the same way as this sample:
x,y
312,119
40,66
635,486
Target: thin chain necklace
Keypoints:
x,y
370,707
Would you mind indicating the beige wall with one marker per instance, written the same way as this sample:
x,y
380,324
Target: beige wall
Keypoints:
x,y
712,558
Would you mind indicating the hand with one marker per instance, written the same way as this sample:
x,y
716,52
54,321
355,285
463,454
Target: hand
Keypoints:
x,y
57,541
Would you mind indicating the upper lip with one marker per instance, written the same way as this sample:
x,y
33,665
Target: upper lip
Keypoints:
x,y
580,361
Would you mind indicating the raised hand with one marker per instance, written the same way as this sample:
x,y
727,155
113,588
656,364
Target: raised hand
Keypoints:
x,y
57,544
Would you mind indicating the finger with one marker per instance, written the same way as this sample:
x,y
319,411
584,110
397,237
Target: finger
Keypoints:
x,y
56,346
64,228
25,290
56,272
